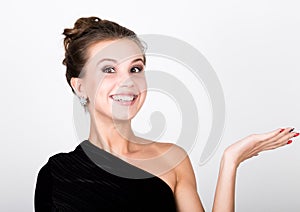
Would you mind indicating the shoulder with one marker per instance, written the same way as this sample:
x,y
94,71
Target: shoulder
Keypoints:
x,y
162,157
162,147
52,170
185,192
180,160
180,155
176,156
59,159
168,147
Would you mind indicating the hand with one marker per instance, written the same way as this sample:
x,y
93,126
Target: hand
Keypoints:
x,y
256,143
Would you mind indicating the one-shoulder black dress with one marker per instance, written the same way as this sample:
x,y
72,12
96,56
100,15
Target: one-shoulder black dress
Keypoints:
x,y
90,179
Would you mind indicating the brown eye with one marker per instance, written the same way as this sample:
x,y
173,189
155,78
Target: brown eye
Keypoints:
x,y
108,69
136,69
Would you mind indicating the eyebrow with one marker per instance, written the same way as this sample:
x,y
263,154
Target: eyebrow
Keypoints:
x,y
115,61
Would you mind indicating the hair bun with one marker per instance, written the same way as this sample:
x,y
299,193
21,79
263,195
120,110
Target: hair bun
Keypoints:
x,y
80,27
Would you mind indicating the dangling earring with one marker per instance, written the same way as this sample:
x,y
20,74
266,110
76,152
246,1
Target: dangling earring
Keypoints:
x,y
83,100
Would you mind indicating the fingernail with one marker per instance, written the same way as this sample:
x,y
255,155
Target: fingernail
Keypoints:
x,y
281,130
296,134
291,130
289,141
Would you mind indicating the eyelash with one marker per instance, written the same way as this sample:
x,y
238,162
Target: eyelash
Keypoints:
x,y
109,68
137,67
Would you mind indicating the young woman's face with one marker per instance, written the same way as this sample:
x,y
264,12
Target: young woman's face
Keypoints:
x,y
114,79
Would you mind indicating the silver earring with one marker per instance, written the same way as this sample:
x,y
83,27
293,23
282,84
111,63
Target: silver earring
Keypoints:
x,y
83,100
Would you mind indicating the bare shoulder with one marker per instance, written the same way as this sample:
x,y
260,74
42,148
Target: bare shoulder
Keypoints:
x,y
185,186
180,160
158,148
166,155
168,146
185,189
170,152
177,158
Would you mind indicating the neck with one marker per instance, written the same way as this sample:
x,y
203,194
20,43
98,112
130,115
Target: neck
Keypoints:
x,y
114,136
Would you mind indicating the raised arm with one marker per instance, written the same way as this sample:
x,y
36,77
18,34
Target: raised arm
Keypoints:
x,y
237,153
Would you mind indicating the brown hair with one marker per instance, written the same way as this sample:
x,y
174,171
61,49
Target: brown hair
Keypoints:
x,y
87,31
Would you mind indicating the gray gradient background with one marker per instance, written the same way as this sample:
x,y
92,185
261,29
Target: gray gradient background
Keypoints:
x,y
253,47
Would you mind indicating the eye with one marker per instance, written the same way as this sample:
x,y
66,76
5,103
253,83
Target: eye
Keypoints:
x,y
136,69
108,69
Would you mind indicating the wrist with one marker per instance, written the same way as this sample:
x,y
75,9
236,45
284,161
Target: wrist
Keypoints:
x,y
229,160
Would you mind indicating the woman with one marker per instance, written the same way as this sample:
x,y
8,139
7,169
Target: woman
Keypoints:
x,y
114,170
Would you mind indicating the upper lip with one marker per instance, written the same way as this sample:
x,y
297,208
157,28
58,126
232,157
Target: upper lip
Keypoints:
x,y
124,93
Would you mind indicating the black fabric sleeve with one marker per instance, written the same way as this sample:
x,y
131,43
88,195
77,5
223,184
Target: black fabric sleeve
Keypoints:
x,y
43,190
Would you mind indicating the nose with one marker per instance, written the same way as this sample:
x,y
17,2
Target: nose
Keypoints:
x,y
126,80
127,83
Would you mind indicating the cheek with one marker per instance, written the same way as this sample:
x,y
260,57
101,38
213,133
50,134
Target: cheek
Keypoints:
x,y
142,87
100,89
93,83
105,82
104,88
141,83
101,97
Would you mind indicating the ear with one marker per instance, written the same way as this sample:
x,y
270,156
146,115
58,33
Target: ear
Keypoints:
x,y
77,85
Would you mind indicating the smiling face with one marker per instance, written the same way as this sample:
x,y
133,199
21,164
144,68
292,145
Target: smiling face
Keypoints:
x,y
114,79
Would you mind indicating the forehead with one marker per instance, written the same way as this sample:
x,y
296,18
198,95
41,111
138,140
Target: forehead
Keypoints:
x,y
119,50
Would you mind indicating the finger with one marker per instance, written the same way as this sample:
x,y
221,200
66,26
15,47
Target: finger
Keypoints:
x,y
287,130
280,138
282,141
260,141
273,140
286,136
272,134
280,134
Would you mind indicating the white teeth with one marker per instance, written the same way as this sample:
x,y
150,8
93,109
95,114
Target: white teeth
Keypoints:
x,y
123,98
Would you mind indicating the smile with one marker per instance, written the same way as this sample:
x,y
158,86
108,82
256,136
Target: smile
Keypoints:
x,y
124,99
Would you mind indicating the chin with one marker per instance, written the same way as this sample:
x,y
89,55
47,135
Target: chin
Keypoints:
x,y
123,116
123,112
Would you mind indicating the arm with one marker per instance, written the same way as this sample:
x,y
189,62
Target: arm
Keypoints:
x,y
187,198
225,191
43,190
239,152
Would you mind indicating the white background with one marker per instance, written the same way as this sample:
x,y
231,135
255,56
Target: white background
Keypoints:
x,y
252,45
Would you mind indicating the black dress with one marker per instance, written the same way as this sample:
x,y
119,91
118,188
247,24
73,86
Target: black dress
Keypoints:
x,y
90,179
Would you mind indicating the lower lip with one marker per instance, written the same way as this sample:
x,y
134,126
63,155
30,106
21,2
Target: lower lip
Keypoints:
x,y
125,103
